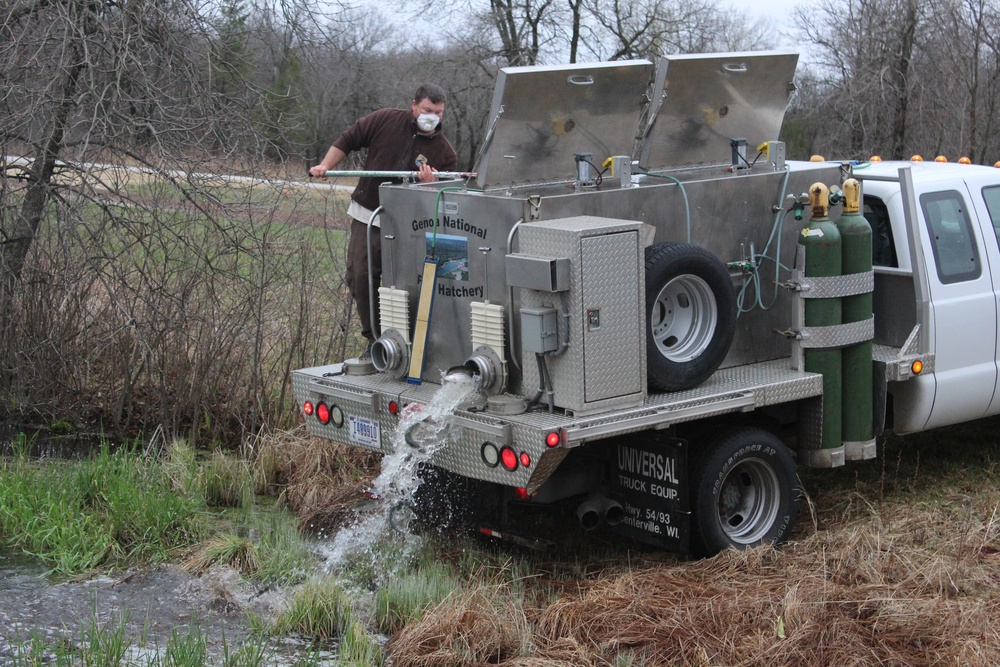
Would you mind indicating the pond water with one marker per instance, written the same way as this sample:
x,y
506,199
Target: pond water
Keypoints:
x,y
38,442
152,604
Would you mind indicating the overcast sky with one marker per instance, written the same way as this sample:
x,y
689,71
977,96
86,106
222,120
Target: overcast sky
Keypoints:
x,y
776,11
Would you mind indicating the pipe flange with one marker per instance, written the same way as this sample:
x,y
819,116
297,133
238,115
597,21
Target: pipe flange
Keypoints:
x,y
391,354
492,372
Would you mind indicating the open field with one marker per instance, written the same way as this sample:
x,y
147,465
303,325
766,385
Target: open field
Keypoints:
x,y
174,300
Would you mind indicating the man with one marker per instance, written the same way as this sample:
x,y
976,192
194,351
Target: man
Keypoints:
x,y
397,140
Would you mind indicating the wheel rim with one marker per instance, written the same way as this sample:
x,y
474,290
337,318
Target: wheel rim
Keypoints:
x,y
683,318
749,501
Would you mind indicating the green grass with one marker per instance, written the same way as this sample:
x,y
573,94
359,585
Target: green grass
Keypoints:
x,y
285,557
107,510
358,648
230,550
109,645
405,596
321,609
228,481
186,649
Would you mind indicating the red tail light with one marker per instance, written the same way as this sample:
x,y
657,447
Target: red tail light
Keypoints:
x,y
552,439
508,458
323,413
525,459
307,408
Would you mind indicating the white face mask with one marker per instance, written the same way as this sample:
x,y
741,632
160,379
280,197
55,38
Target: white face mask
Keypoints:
x,y
427,122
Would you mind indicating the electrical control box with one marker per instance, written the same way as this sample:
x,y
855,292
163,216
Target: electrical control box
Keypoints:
x,y
539,331
601,360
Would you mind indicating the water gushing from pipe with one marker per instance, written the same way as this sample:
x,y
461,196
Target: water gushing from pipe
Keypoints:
x,y
385,527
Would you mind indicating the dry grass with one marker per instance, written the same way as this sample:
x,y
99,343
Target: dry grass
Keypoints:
x,y
878,591
484,625
894,563
319,480
891,566
230,550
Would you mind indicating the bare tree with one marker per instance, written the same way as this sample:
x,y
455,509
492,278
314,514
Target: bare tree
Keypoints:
x,y
866,51
650,28
962,71
135,287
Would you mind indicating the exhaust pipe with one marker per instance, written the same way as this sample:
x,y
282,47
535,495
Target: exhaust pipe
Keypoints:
x,y
614,513
597,510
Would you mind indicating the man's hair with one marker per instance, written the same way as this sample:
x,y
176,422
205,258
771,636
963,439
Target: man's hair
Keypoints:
x,y
430,91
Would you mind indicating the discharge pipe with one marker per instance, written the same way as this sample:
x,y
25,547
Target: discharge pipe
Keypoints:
x,y
387,355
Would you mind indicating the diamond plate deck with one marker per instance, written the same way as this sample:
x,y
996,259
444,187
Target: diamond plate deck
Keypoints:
x,y
737,389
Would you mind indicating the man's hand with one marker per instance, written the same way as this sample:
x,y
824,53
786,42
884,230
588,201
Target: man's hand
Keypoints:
x,y
425,174
319,171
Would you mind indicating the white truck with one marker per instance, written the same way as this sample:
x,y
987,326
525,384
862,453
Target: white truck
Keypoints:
x,y
661,319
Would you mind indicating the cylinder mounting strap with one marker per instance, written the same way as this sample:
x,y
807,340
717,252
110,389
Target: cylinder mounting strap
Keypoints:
x,y
836,335
835,287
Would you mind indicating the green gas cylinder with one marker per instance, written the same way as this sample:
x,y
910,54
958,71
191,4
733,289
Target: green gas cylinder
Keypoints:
x,y
856,257
821,240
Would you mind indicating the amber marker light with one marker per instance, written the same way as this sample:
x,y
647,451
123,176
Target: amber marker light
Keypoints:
x,y
916,367
964,160
940,158
916,158
875,158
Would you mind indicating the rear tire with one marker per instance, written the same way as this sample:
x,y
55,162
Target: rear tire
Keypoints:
x,y
690,315
745,491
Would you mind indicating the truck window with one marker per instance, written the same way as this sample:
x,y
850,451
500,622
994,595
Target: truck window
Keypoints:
x,y
992,197
955,254
877,215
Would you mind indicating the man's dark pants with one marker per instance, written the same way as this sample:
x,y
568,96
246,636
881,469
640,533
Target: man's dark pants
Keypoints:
x,y
357,273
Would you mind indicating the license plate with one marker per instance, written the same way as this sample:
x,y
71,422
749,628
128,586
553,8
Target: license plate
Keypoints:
x,y
364,431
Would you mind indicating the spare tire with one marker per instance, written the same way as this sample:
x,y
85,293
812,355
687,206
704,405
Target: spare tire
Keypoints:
x,y
690,315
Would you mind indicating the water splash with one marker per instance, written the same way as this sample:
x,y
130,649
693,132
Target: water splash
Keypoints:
x,y
384,526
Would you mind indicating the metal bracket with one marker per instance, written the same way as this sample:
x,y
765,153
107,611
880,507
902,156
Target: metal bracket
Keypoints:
x,y
371,400
836,335
534,207
836,287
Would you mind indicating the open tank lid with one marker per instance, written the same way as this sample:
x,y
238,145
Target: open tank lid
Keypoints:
x,y
709,99
544,115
